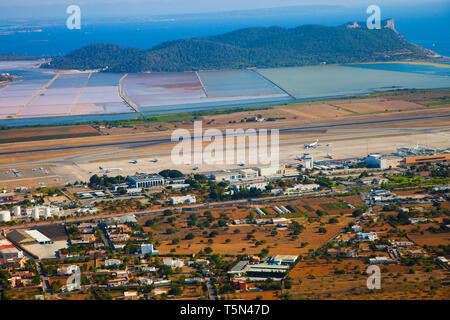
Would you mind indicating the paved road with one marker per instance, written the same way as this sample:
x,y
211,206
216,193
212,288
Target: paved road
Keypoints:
x,y
212,292
146,143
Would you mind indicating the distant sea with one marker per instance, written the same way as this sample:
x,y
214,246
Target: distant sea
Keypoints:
x,y
427,27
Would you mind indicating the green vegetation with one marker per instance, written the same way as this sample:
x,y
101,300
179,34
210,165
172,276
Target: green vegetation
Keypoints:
x,y
251,47
334,206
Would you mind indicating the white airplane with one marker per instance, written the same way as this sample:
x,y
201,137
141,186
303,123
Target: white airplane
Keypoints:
x,y
154,160
110,169
417,147
195,168
312,145
242,164
134,161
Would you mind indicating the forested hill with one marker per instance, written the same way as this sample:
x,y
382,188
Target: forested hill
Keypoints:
x,y
251,47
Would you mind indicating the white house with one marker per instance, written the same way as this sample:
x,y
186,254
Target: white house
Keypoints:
x,y
174,263
184,199
112,262
371,236
378,260
148,248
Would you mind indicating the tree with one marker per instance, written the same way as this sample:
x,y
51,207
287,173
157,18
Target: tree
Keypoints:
x,y
208,250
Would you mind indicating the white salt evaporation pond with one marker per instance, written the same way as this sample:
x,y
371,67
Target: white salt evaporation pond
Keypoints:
x,y
44,93
43,96
153,92
336,81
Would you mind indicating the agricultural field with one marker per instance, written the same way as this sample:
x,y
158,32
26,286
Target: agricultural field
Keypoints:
x,y
47,133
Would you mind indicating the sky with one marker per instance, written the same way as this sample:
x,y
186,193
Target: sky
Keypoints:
x,y
29,9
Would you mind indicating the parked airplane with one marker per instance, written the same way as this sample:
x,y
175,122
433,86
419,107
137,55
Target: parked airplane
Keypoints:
x,y
242,164
312,145
154,160
134,161
195,168
110,169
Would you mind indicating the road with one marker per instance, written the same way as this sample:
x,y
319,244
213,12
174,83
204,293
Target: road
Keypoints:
x,y
212,292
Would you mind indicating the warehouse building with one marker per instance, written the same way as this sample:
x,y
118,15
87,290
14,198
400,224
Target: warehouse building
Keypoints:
x,y
438,158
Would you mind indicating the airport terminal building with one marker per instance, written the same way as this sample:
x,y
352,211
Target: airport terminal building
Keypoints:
x,y
143,180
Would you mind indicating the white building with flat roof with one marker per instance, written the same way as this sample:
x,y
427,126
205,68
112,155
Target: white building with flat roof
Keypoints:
x,y
174,263
148,248
39,237
260,184
184,199
376,161
143,180
5,216
268,171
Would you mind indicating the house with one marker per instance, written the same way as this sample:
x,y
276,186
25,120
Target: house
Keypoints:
x,y
174,263
12,263
373,180
240,285
417,220
378,260
88,238
68,270
356,228
283,259
117,282
184,199
130,295
118,237
371,236
112,262
148,248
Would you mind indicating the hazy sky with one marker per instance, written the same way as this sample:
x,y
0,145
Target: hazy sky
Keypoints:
x,y
47,8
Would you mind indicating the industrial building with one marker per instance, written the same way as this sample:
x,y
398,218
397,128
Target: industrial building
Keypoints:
x,y
8,251
438,158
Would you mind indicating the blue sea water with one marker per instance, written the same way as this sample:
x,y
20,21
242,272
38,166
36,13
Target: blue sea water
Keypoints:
x,y
426,25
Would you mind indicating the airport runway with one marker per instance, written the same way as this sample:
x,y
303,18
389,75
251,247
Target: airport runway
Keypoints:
x,y
153,142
